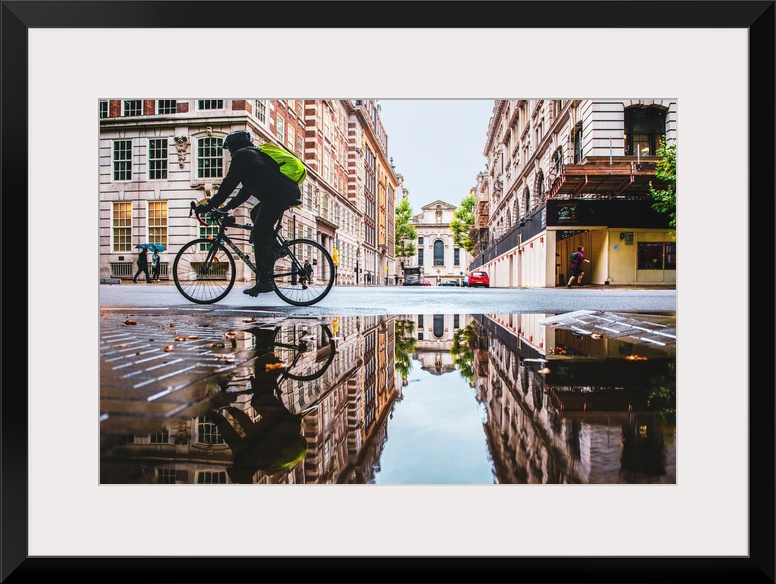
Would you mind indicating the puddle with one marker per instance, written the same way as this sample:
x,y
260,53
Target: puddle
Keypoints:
x,y
577,398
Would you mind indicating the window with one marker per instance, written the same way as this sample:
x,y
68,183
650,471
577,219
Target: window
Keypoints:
x,y
121,226
420,241
210,104
122,160
439,325
300,109
210,160
644,128
439,253
208,432
157,158
280,130
578,144
157,222
456,256
526,201
291,136
420,321
456,321
103,108
166,106
300,147
653,255
211,477
132,107
260,110
420,256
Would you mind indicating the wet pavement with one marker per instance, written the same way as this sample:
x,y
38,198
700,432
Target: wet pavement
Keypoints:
x,y
210,397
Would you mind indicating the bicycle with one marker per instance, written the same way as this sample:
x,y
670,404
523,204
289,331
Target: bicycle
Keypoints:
x,y
204,268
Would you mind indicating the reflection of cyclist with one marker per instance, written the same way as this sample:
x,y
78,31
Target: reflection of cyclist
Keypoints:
x,y
260,177
274,441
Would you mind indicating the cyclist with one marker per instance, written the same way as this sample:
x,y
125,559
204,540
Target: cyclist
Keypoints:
x,y
261,178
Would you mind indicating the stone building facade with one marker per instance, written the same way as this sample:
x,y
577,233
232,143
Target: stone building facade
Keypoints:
x,y
157,156
568,172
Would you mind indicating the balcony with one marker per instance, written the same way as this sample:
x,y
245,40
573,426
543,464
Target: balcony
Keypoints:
x,y
624,176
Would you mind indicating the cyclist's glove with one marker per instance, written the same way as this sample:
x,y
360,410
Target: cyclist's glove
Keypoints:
x,y
203,209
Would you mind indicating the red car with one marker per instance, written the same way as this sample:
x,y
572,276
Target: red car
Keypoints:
x,y
479,278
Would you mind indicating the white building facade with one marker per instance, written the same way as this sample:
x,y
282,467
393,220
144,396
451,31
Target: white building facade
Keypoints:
x,y
563,173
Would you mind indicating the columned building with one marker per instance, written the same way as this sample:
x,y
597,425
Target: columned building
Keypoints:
x,y
567,172
157,156
437,253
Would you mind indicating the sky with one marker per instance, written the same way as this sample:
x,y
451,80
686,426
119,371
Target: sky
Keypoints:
x,y
437,145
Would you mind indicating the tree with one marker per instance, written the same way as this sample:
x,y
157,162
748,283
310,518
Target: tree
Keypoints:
x,y
664,200
404,347
405,231
463,221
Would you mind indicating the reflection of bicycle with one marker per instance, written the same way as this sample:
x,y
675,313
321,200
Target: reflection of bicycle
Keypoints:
x,y
204,269
307,352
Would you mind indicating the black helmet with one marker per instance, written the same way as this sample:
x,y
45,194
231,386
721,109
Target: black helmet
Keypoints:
x,y
237,139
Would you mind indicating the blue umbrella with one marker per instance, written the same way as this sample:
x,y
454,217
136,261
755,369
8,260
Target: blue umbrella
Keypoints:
x,y
145,246
158,247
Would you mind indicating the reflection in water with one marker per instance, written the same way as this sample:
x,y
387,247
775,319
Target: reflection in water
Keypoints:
x,y
424,399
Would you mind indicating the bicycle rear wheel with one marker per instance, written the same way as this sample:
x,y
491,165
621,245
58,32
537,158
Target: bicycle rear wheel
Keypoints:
x,y
201,276
292,283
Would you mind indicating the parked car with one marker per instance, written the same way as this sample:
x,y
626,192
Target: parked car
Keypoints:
x,y
427,283
450,283
479,278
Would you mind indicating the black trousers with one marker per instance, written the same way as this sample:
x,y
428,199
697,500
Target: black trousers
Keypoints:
x,y
264,216
142,269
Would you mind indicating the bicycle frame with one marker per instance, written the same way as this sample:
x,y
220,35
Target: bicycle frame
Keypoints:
x,y
222,237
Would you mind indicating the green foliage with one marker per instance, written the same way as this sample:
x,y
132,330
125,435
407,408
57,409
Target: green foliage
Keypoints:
x,y
405,231
404,346
664,200
463,221
463,356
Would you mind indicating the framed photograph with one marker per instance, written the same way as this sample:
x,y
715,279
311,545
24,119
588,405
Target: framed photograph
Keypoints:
x,y
714,525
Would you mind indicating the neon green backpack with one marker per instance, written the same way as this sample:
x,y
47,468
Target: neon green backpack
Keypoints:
x,y
289,164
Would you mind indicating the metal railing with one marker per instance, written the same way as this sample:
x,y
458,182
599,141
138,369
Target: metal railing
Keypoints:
x,y
127,269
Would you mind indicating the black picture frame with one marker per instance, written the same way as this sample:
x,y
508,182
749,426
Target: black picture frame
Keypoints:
x,y
757,17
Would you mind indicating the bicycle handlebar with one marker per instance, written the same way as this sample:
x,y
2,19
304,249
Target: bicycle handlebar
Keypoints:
x,y
214,214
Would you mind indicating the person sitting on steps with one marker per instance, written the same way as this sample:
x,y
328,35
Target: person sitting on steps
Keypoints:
x,y
261,178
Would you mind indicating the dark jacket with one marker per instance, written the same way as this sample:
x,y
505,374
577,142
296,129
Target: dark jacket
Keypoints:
x,y
260,177
142,258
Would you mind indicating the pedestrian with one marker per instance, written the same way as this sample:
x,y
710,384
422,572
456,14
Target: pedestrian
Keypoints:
x,y
261,178
142,266
155,265
577,259
308,274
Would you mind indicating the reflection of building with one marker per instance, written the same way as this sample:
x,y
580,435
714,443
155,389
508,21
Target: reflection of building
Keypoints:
x,y
573,413
566,172
435,339
344,410
437,253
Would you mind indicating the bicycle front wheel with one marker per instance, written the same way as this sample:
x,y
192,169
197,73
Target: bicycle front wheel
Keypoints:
x,y
203,272
294,281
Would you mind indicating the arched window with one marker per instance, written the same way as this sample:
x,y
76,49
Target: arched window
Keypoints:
x,y
644,128
516,210
439,253
540,186
439,325
527,200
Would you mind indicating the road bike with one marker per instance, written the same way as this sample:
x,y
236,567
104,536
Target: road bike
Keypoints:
x,y
204,268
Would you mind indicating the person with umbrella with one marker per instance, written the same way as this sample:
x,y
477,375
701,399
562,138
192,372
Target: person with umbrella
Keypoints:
x,y
155,264
142,264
